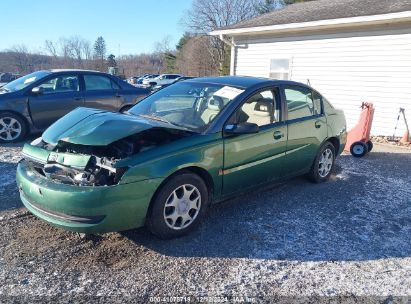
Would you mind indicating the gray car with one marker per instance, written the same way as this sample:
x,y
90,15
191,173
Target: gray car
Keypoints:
x,y
32,103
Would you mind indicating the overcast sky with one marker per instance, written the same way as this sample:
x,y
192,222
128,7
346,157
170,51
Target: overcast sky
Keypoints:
x,y
128,26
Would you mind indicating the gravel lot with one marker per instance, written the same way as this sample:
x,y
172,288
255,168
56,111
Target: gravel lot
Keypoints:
x,y
347,239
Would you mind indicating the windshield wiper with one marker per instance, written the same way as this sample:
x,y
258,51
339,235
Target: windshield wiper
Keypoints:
x,y
5,90
162,119
155,117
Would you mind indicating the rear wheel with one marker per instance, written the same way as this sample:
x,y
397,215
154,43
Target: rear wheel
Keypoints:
x,y
323,163
359,149
178,206
12,128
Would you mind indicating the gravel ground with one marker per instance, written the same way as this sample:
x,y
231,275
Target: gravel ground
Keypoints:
x,y
344,240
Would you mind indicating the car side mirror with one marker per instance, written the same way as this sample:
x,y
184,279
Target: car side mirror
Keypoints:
x,y
37,91
241,128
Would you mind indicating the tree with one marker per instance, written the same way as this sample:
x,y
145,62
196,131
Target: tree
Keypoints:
x,y
194,59
208,15
72,52
183,40
111,60
266,6
100,51
21,58
165,56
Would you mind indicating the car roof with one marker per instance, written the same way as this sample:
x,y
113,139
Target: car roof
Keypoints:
x,y
243,81
72,70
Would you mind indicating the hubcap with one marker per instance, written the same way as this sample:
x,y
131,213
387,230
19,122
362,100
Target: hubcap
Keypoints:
x,y
182,207
10,128
326,162
358,149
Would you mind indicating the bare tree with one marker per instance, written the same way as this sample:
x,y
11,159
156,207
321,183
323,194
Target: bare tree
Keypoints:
x,y
72,52
194,58
208,15
51,48
20,57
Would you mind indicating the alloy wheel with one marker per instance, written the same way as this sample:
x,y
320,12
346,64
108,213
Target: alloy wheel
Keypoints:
x,y
326,162
10,128
182,207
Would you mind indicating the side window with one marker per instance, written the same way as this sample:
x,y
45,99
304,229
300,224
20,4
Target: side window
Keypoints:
x,y
115,85
299,102
97,82
64,83
262,109
317,103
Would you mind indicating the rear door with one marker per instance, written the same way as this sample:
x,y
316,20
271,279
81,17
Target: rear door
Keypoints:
x,y
59,95
101,92
307,128
252,159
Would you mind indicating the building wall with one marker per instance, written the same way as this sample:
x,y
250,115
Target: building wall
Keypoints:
x,y
371,65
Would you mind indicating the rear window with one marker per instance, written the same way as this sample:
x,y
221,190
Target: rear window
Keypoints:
x,y
97,82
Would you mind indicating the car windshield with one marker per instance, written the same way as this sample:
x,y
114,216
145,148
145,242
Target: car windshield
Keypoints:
x,y
189,105
22,82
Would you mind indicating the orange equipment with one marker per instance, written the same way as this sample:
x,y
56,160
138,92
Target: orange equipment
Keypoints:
x,y
358,138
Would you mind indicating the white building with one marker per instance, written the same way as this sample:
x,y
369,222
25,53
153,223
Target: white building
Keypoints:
x,y
349,50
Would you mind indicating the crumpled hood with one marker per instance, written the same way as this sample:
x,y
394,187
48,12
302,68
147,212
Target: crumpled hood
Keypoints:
x,y
93,127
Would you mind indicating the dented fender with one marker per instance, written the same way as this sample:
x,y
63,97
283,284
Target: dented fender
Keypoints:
x,y
204,152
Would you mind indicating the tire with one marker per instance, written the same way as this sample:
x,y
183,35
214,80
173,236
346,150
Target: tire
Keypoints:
x,y
359,149
323,164
170,212
13,128
370,145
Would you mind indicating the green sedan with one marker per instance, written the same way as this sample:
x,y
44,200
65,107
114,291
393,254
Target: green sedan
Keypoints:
x,y
162,163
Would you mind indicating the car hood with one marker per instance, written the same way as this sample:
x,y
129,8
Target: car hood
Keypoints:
x,y
94,127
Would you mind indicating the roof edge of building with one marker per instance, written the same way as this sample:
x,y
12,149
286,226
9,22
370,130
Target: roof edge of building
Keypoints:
x,y
319,24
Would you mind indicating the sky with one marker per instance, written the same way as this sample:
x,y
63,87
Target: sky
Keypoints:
x,y
128,26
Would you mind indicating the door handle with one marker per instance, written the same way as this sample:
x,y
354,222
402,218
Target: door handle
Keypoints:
x,y
118,95
278,135
78,98
318,124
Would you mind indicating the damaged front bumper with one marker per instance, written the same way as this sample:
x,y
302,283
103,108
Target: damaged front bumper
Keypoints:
x,y
85,209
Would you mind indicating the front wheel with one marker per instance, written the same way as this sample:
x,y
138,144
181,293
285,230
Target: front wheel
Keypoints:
x,y
323,163
178,206
12,128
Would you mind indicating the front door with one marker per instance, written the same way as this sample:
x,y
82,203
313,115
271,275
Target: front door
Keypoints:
x,y
307,128
58,96
252,159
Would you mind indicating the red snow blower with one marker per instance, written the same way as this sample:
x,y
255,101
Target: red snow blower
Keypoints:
x,y
358,138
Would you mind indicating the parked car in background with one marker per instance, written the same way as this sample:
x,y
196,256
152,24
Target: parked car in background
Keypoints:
x,y
147,79
177,151
7,77
33,102
132,80
161,79
159,86
149,76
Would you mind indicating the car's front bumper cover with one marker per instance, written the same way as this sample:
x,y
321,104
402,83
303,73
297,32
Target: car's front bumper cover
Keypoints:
x,y
85,209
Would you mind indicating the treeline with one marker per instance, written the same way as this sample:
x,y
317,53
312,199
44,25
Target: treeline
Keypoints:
x,y
196,53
